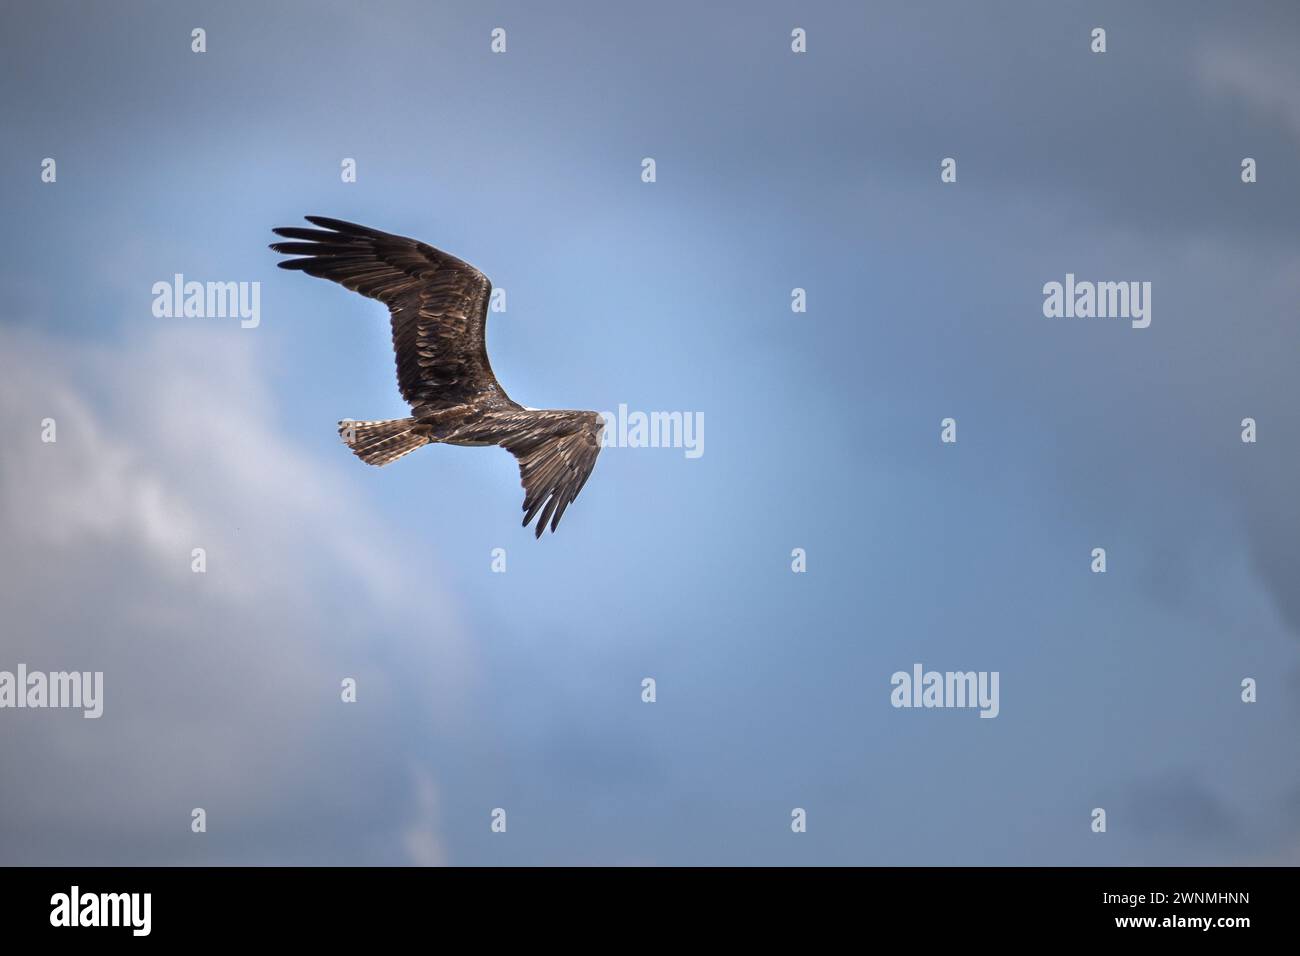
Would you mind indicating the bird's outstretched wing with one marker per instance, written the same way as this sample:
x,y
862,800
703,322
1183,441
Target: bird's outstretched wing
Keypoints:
x,y
438,305
556,452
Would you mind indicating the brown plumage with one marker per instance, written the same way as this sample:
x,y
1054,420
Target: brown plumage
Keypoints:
x,y
438,306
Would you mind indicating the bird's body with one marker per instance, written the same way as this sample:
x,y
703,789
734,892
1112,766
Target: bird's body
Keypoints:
x,y
438,306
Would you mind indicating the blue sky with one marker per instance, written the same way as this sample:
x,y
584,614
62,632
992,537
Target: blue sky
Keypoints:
x,y
774,171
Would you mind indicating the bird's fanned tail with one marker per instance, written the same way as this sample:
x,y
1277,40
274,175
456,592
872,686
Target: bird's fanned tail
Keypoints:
x,y
378,443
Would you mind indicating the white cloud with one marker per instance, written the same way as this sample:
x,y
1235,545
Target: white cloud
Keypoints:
x,y
1269,83
221,689
420,838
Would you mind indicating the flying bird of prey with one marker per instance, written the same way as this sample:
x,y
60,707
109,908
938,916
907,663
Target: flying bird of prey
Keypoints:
x,y
438,306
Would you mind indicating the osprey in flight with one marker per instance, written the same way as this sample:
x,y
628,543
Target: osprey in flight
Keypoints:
x,y
438,306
